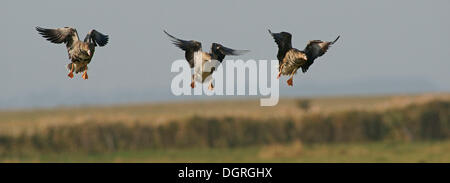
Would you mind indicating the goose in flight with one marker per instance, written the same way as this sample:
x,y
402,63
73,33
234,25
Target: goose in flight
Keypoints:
x,y
198,59
80,52
291,59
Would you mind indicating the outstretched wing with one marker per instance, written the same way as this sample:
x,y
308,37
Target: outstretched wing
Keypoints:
x,y
306,66
315,49
283,40
97,38
60,35
229,51
184,45
219,51
190,47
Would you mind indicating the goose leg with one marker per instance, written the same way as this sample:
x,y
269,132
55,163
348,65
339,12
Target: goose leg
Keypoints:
x,y
290,80
279,73
193,82
211,86
71,72
85,76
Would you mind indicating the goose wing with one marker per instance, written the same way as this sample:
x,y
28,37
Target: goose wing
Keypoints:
x,y
190,47
66,35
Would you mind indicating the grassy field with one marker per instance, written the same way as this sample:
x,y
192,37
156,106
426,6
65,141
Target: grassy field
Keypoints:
x,y
296,152
363,129
34,120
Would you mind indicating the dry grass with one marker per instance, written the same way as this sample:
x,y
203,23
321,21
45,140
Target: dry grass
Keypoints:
x,y
31,121
272,151
327,153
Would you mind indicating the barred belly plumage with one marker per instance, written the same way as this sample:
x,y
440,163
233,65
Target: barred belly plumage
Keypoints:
x,y
79,65
292,61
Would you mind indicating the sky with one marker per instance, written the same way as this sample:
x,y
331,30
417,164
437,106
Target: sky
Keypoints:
x,y
386,47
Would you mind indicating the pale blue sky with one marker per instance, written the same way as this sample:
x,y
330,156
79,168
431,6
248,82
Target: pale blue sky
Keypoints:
x,y
385,46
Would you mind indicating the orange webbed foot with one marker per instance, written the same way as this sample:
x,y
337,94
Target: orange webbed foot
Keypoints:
x,y
289,82
211,87
85,76
70,75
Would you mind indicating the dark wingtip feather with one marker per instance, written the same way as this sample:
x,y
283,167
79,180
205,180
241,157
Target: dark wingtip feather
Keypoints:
x,y
42,31
336,39
39,28
177,42
172,37
99,38
270,32
240,52
165,32
46,33
104,40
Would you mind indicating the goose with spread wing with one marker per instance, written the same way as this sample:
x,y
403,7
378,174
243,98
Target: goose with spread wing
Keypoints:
x,y
291,59
199,60
80,52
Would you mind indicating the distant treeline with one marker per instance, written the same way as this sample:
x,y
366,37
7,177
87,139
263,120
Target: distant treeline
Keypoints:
x,y
429,121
